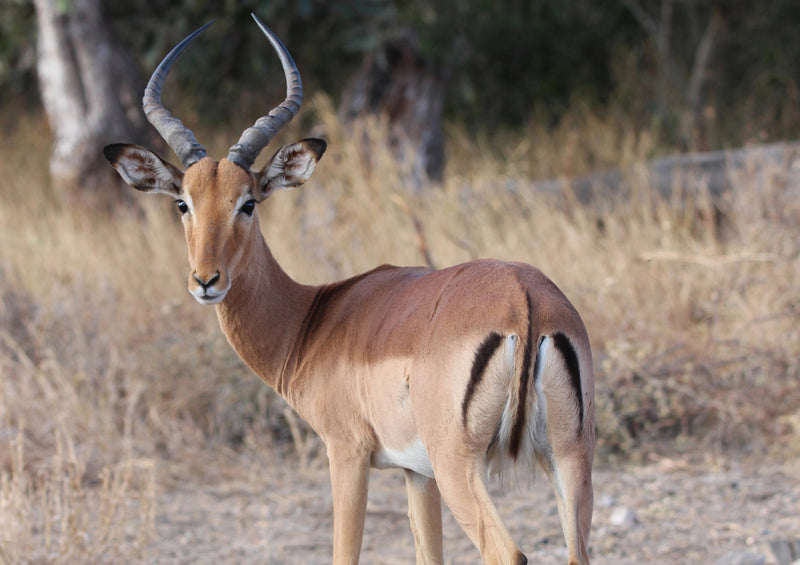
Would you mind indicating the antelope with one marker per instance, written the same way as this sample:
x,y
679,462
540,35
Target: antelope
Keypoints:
x,y
446,374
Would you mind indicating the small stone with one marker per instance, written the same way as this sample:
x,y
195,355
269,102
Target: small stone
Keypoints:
x,y
623,516
741,558
606,501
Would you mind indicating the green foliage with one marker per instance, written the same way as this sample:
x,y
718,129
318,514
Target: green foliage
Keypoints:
x,y
503,62
503,58
17,48
232,68
761,50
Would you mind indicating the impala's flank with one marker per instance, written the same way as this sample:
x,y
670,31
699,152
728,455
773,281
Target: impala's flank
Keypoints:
x,y
445,374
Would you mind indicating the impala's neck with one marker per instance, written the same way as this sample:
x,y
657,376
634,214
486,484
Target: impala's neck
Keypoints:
x,y
262,314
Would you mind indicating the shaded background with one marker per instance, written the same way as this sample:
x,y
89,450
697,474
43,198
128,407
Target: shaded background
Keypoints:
x,y
502,63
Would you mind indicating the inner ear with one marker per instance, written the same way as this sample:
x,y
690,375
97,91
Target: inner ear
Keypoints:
x,y
291,166
143,169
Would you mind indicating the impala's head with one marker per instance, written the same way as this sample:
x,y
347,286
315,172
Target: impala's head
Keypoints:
x,y
217,199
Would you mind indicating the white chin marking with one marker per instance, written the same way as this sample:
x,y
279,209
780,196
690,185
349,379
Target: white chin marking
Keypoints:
x,y
209,299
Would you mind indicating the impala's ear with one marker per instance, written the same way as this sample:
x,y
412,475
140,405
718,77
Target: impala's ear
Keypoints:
x,y
143,169
291,166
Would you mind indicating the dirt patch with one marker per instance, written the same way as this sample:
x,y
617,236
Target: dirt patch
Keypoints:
x,y
671,512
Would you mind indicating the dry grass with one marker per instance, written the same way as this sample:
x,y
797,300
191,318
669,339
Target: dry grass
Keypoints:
x,y
113,382
62,514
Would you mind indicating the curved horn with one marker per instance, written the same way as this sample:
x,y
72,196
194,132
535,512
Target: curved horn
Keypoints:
x,y
256,137
178,137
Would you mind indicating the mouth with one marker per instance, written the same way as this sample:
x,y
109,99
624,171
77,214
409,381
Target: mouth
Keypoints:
x,y
208,298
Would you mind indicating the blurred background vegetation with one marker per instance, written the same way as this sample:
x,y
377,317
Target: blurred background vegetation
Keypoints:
x,y
115,385
503,63
531,90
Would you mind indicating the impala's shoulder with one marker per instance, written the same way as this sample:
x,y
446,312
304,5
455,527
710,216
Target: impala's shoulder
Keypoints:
x,y
365,285
383,275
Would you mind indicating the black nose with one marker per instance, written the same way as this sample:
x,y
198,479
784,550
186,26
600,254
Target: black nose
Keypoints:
x,y
205,284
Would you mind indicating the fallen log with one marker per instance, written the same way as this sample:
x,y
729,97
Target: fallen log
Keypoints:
x,y
714,173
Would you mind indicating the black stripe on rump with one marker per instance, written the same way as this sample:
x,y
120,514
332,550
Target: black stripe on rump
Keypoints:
x,y
564,347
482,357
515,440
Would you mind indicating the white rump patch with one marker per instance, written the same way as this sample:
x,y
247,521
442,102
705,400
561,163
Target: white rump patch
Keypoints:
x,y
534,437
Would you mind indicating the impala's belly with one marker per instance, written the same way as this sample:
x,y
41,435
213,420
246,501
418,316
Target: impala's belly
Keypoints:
x,y
389,410
413,457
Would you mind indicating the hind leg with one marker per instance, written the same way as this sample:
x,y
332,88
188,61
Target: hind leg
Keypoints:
x,y
570,432
572,483
458,433
462,483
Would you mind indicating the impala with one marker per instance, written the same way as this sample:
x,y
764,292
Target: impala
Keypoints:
x,y
446,374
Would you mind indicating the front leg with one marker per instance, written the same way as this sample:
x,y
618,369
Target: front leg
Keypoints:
x,y
349,484
425,515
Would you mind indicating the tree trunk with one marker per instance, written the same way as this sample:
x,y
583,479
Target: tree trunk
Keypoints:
x,y
690,120
399,86
91,91
661,32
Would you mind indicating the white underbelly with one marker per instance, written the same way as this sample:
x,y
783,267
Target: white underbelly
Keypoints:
x,y
414,457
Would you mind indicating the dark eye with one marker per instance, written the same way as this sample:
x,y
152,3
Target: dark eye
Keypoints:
x,y
183,207
248,207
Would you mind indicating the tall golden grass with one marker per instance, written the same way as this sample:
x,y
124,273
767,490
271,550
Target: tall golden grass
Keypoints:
x,y
113,382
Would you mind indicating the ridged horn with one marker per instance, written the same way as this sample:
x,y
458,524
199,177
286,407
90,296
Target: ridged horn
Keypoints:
x,y
256,137
178,137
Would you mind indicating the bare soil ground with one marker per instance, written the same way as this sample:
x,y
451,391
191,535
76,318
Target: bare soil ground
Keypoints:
x,y
682,513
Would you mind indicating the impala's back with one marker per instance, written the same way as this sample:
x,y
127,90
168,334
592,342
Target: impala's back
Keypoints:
x,y
431,338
